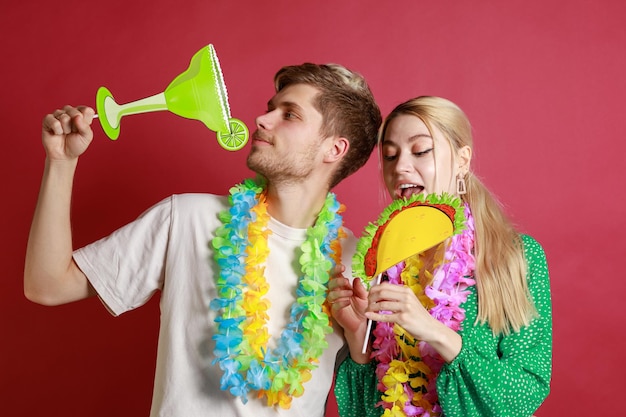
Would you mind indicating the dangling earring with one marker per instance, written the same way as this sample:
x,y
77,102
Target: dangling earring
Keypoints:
x,y
461,187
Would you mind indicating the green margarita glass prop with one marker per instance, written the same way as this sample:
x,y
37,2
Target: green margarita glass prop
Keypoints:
x,y
198,93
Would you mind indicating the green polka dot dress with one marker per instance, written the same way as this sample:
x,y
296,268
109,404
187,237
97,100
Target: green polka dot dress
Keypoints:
x,y
504,376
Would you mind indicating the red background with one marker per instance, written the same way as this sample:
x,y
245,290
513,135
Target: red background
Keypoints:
x,y
542,82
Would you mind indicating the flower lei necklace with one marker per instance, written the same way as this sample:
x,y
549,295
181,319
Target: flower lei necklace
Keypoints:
x,y
407,368
241,338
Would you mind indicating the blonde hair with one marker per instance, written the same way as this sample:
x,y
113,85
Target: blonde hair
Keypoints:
x,y
504,301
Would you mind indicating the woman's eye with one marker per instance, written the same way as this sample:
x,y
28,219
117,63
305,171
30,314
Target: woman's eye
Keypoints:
x,y
422,153
389,157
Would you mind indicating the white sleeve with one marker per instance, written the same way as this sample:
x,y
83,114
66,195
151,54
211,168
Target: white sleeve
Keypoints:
x,y
126,267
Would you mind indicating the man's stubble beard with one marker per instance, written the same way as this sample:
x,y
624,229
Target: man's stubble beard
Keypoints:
x,y
283,170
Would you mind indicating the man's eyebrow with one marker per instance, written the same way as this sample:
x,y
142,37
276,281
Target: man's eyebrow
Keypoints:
x,y
285,104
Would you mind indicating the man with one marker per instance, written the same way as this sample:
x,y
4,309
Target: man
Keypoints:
x,y
242,281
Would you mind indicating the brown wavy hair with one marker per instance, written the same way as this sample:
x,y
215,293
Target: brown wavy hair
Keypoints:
x,y
347,106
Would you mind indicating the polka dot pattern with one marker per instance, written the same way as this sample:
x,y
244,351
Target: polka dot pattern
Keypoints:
x,y
504,376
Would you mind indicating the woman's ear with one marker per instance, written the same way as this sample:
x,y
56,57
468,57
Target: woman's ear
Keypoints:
x,y
464,158
337,150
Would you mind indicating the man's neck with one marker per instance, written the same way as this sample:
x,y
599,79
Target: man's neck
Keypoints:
x,y
296,205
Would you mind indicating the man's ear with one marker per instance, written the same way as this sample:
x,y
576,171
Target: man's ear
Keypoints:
x,y
464,158
337,150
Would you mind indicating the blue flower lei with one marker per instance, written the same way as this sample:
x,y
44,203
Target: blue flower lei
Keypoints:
x,y
279,373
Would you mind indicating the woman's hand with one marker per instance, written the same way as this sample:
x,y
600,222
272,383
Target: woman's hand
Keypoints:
x,y
403,308
348,300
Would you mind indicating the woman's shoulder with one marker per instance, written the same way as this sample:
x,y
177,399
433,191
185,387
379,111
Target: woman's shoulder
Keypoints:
x,y
536,261
532,248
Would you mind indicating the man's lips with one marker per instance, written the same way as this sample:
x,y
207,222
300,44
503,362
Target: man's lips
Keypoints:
x,y
259,137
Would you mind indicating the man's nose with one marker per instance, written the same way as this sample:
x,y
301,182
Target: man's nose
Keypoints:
x,y
266,120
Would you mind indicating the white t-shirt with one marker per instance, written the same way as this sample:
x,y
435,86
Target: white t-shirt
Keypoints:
x,y
168,249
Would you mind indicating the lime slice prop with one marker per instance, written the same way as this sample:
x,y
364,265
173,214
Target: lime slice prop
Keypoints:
x,y
236,138
410,231
198,93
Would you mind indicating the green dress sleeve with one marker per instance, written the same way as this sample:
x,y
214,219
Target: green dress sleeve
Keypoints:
x,y
355,390
504,376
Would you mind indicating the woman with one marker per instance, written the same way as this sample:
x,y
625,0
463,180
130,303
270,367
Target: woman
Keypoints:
x,y
491,353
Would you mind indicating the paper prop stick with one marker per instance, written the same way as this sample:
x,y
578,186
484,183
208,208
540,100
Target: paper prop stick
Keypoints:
x,y
198,93
405,228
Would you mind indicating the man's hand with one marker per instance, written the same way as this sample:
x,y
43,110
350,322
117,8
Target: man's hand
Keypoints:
x,y
67,133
